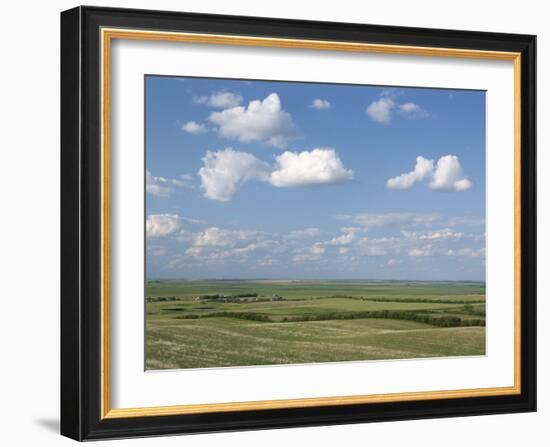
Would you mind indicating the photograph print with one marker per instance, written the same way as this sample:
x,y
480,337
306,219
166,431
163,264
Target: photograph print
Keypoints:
x,y
293,222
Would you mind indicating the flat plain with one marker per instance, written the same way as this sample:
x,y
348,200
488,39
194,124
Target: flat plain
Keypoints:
x,y
220,323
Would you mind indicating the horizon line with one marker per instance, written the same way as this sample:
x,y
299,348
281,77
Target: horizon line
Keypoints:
x,y
311,279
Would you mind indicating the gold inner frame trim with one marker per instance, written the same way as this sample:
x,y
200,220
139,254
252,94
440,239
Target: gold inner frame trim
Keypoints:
x,y
107,35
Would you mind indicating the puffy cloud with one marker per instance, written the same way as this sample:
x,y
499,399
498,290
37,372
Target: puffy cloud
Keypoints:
x,y
472,252
320,104
268,261
443,234
158,225
377,246
218,237
214,237
218,244
405,234
225,170
420,252
440,249
344,239
263,121
412,110
155,185
448,175
315,167
409,107
343,242
317,249
313,253
435,235
467,252
220,100
194,128
422,169
390,242
371,220
162,186
381,110
462,185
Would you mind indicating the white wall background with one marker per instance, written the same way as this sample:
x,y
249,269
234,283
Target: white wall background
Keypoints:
x,y
29,223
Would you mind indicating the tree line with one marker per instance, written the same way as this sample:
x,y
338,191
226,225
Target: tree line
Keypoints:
x,y
442,321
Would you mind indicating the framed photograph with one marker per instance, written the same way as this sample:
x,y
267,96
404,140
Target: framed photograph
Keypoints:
x,y
275,223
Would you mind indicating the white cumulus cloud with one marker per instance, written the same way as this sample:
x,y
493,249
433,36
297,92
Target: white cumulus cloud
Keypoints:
x,y
216,244
421,251
412,110
345,239
315,167
320,104
472,252
194,128
313,253
445,233
263,121
372,220
219,237
220,100
317,249
157,225
223,171
422,169
381,110
448,175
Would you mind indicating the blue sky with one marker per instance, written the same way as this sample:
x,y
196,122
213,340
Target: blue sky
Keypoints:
x,y
258,179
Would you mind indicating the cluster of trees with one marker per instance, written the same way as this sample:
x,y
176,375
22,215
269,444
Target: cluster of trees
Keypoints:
x,y
442,321
241,298
439,321
156,299
253,316
471,310
228,298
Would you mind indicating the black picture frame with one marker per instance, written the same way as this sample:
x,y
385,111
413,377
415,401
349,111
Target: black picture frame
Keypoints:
x,y
81,223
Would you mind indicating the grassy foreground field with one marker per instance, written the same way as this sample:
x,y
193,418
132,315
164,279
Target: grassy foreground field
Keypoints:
x,y
198,324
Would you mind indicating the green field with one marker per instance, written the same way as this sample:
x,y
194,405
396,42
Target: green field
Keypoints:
x,y
214,323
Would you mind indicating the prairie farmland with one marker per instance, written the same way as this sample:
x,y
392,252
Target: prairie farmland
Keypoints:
x,y
221,323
